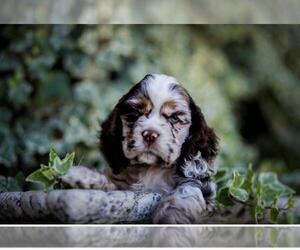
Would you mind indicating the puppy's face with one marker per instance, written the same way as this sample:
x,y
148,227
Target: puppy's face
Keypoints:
x,y
156,118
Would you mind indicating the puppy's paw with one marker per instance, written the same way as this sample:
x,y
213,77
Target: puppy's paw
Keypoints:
x,y
85,178
168,213
185,205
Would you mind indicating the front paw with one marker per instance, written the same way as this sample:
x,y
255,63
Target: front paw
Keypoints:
x,y
185,205
176,211
85,178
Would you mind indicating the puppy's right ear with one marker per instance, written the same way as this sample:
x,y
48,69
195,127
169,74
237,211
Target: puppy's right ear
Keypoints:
x,y
111,142
112,135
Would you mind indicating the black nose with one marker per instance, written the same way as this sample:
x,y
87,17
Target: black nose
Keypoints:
x,y
150,135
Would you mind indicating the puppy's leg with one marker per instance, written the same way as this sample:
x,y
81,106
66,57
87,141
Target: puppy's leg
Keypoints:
x,y
185,205
85,178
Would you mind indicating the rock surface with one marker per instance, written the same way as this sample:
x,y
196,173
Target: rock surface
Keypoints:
x,y
77,206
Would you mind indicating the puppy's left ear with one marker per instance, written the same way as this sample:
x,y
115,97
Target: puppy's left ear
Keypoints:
x,y
200,148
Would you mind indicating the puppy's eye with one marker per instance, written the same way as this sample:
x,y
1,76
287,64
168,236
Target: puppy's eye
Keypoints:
x,y
133,116
174,118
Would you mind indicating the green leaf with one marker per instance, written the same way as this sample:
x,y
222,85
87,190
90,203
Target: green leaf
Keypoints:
x,y
3,184
20,178
47,175
269,194
258,212
19,93
12,184
269,178
43,176
47,171
8,154
221,174
271,188
223,197
238,180
52,156
66,163
9,184
290,202
239,194
274,215
249,180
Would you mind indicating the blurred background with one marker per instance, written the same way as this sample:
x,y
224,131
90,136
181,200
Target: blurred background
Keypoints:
x,y
57,82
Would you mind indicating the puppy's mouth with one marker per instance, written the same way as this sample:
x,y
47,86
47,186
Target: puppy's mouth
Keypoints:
x,y
150,157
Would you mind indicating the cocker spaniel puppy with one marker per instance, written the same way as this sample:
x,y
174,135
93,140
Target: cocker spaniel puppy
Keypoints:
x,y
156,139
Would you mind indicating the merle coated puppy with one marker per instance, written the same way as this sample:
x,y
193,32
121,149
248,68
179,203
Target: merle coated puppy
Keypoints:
x,y
156,139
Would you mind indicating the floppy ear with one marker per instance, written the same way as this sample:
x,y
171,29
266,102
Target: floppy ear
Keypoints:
x,y
111,142
111,136
200,148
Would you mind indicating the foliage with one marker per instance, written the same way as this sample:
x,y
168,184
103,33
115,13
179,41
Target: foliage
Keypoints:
x,y
48,175
9,183
258,191
58,82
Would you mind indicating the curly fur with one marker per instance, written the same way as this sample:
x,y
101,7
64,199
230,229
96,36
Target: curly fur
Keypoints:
x,y
179,164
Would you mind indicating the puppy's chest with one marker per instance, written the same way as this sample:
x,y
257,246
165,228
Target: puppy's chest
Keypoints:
x,y
152,179
156,179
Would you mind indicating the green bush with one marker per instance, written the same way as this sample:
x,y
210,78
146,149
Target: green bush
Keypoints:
x,y
259,192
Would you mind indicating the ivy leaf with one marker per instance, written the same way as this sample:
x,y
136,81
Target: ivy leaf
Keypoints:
x,y
9,184
258,212
3,184
48,175
238,180
290,202
271,189
52,156
20,178
235,189
42,176
19,93
65,164
269,178
221,174
258,209
47,171
274,215
239,194
8,152
223,197
249,180
261,190
269,194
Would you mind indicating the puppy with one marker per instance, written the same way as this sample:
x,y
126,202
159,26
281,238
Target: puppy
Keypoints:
x,y
156,139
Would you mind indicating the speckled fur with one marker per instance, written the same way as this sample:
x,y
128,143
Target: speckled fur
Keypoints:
x,y
179,165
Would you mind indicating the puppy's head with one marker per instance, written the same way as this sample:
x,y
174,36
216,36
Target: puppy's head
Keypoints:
x,y
156,122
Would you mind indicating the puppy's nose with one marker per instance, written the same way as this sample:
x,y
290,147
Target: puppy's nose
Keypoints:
x,y
150,135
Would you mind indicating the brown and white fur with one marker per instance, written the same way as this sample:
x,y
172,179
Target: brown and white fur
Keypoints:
x,y
156,139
